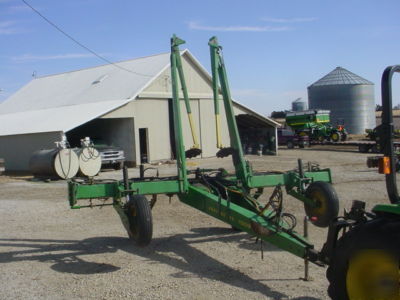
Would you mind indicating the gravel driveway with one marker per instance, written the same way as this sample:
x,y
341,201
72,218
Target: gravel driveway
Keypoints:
x,y
48,251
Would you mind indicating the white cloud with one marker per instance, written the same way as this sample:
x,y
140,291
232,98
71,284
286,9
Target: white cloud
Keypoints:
x,y
289,20
30,57
7,27
17,8
196,26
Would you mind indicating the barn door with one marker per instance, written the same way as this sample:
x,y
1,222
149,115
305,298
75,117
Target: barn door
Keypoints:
x,y
144,145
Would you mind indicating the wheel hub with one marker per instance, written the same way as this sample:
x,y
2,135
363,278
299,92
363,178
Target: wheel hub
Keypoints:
x,y
373,275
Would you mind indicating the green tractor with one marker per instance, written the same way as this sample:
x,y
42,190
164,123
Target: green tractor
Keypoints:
x,y
364,261
315,124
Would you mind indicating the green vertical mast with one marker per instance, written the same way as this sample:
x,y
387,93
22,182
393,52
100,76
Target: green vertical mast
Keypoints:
x,y
217,64
180,148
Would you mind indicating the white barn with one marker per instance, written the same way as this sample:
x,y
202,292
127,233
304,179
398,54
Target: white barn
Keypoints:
x,y
130,109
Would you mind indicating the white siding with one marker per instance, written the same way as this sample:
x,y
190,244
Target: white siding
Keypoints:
x,y
153,115
197,83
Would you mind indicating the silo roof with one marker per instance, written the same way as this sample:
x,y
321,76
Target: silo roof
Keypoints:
x,y
341,76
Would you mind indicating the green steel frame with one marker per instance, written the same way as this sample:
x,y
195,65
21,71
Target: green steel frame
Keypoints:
x,y
386,141
230,198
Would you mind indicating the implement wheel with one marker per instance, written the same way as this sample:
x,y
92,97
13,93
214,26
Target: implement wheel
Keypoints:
x,y
365,264
363,148
335,137
140,220
326,203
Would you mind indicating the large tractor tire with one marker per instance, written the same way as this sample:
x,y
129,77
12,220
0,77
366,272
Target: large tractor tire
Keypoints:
x,y
326,203
335,137
140,220
365,263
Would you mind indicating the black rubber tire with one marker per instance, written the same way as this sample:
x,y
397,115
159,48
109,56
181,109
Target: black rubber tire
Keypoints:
x,y
335,137
290,144
381,234
118,166
301,145
363,148
327,201
343,137
140,220
375,148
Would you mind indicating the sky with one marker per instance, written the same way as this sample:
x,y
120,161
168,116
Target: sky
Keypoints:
x,y
272,49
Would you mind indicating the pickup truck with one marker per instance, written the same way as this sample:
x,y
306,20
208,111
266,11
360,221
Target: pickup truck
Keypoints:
x,y
290,139
111,156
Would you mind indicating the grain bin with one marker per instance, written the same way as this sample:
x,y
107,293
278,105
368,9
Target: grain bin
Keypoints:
x,y
54,163
299,105
349,97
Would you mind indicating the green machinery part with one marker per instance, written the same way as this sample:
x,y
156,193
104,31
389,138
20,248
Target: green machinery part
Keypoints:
x,y
301,119
232,198
177,62
363,248
214,48
316,124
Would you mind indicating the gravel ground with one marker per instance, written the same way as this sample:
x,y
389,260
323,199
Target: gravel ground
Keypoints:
x,y
48,251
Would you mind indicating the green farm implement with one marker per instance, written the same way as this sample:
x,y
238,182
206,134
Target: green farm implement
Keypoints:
x,y
315,124
231,198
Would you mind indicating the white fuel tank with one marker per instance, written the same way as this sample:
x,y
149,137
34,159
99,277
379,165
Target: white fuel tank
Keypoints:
x,y
54,163
89,161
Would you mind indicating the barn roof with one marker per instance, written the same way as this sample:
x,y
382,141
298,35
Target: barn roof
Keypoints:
x,y
54,119
97,84
64,101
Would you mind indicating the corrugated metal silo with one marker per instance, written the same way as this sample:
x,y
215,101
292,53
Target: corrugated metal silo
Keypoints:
x,y
299,105
349,97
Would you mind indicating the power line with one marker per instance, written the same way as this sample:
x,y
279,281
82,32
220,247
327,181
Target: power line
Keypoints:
x,y
80,44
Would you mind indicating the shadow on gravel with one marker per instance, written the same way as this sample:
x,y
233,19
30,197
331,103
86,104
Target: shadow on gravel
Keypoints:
x,y
63,253
190,261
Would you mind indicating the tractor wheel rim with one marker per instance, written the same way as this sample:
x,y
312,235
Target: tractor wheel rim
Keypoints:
x,y
373,275
320,204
